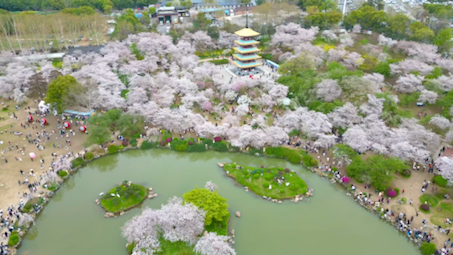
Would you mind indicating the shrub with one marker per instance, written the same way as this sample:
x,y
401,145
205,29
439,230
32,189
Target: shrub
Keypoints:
x,y
219,146
309,161
124,143
265,185
294,158
217,139
130,247
163,143
346,179
397,191
406,173
424,207
208,141
179,145
133,142
428,248
62,173
121,147
268,176
196,147
403,200
168,139
146,145
89,156
13,239
113,149
439,181
27,208
391,192
282,191
77,162
190,142
259,171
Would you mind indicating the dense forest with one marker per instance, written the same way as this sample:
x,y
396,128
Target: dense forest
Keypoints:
x,y
47,5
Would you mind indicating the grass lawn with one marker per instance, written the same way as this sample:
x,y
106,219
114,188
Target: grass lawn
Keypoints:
x,y
176,248
259,180
432,200
439,181
130,196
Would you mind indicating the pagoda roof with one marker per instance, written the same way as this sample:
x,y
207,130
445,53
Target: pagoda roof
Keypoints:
x,y
246,65
246,32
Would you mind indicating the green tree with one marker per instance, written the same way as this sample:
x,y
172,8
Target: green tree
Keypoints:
x,y
377,170
213,32
420,32
368,17
323,20
215,206
443,39
397,26
98,135
428,248
152,10
323,5
297,65
58,92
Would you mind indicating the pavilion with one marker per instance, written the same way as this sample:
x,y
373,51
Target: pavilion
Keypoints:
x,y
246,53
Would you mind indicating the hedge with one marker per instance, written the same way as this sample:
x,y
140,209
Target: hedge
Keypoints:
x,y
113,149
439,181
219,146
196,147
219,62
428,248
178,145
285,153
89,156
133,142
146,145
78,162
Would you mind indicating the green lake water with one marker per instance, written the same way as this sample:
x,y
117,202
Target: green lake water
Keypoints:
x,y
329,223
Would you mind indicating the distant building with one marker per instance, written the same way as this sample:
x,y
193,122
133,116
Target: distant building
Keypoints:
x,y
171,14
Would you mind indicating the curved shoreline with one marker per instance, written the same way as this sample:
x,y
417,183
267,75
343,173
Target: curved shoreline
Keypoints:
x,y
315,170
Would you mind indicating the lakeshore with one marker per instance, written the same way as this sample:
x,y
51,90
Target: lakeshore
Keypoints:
x,y
415,179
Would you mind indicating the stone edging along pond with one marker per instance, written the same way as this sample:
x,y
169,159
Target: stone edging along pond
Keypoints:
x,y
355,194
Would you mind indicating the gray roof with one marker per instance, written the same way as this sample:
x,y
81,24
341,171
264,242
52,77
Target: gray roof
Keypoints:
x,y
85,49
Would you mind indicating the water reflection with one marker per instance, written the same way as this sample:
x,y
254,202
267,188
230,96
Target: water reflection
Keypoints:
x,y
106,163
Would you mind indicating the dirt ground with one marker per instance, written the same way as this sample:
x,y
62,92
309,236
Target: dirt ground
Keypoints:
x,y
9,172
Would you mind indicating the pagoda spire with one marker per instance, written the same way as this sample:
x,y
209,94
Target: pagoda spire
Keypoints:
x,y
246,16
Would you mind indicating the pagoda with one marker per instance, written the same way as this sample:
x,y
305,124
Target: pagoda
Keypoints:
x,y
247,51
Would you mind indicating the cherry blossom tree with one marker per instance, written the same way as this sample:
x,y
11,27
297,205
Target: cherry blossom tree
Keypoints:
x,y
357,29
411,65
353,59
386,41
329,35
337,54
25,219
445,83
213,244
346,40
325,141
345,116
292,34
445,166
357,138
428,97
440,122
373,106
211,186
226,40
328,90
377,81
409,83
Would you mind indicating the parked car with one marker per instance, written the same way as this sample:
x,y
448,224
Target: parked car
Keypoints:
x,y
420,104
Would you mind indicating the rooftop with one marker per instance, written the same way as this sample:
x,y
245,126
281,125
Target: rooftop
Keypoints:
x,y
246,32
